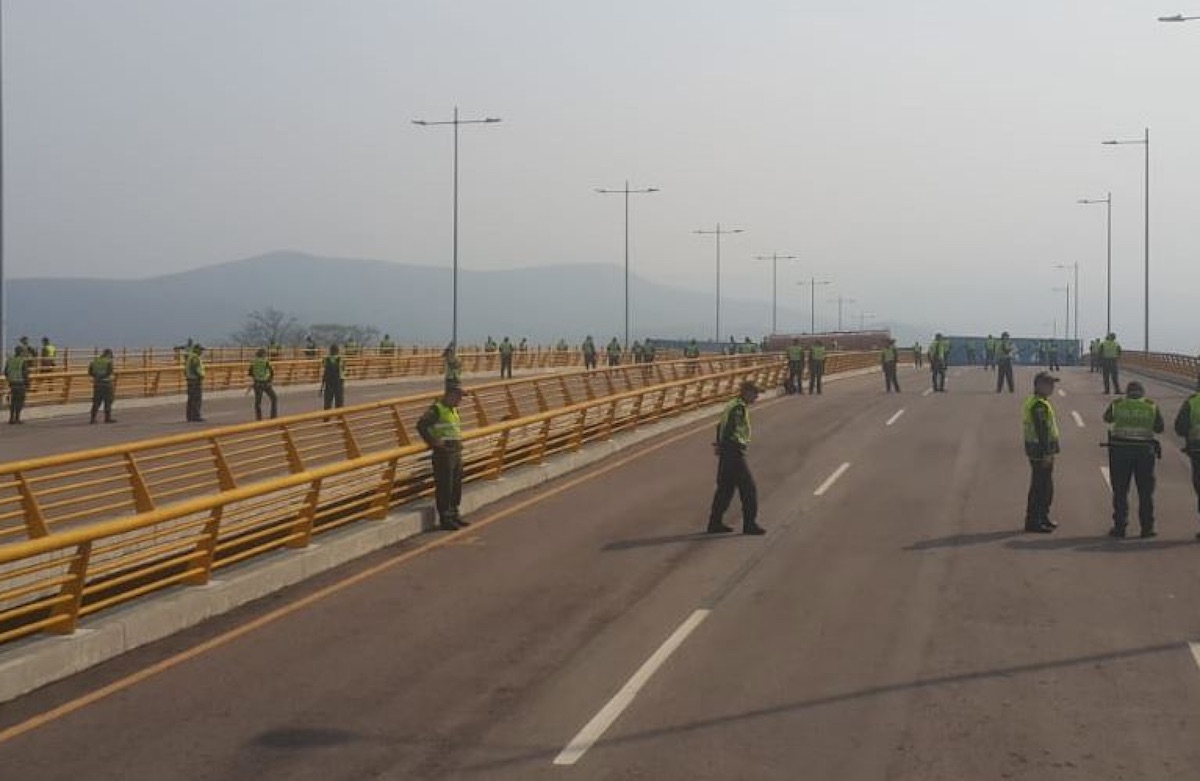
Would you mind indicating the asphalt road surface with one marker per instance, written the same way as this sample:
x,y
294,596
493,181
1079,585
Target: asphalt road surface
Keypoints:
x,y
895,623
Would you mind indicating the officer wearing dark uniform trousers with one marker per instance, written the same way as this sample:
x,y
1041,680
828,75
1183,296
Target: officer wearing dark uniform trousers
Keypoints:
x,y
104,379
1041,445
918,355
506,358
939,355
890,357
1053,360
1004,362
262,373
733,473
193,372
816,366
795,359
1110,352
1187,425
589,353
441,429
16,372
333,378
1132,450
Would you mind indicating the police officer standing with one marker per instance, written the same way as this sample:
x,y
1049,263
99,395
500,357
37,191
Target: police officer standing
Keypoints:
x,y
733,473
816,366
49,354
262,373
441,429
1110,351
452,366
589,353
506,358
1041,445
1004,362
333,378
16,372
104,379
890,357
614,352
939,353
193,372
1187,425
795,359
918,355
989,352
1132,450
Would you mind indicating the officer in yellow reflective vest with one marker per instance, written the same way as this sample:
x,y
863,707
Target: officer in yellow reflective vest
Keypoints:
x,y
1187,425
890,359
989,352
103,384
733,473
441,429
939,359
795,359
49,353
452,366
16,373
816,366
614,352
1041,445
1132,450
333,378
193,372
1110,352
262,373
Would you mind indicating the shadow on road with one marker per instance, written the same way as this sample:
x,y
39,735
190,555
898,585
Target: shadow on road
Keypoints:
x,y
646,542
962,540
305,737
1097,544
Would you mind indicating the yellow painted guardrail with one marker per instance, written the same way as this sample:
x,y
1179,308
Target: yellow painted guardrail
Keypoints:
x,y
1186,367
48,584
63,387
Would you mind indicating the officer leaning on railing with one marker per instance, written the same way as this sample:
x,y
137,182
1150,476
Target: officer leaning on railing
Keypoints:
x,y
1132,450
1187,425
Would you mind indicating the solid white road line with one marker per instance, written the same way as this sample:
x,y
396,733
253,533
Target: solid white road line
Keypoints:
x,y
617,705
927,391
894,418
1107,476
841,470
1195,649
1078,418
1062,393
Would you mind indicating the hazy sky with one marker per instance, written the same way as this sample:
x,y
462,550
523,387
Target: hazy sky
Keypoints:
x,y
925,156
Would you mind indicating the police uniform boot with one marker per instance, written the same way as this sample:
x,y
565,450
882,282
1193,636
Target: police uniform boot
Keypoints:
x,y
716,527
1117,531
753,529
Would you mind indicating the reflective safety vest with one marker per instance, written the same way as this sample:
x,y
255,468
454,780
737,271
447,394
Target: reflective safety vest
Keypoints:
x,y
589,347
14,370
448,426
741,433
49,351
1194,418
1109,348
1005,350
1031,437
1133,420
261,371
989,345
889,355
614,348
194,368
506,348
453,368
795,353
101,369
334,369
818,352
940,349
691,351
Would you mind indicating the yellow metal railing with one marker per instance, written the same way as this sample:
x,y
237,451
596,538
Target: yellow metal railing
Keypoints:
x,y
47,584
61,386
1186,367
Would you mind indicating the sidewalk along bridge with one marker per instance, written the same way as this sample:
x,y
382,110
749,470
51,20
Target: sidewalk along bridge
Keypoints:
x,y
62,386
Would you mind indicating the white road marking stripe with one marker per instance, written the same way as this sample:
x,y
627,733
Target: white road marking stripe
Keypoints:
x,y
1107,477
622,699
1078,418
1062,393
841,470
927,391
1195,649
893,418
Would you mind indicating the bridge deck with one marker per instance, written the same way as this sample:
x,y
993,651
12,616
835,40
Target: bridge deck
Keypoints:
x,y
896,626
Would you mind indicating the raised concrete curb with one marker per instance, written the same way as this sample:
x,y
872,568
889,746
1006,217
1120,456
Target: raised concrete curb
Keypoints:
x,y
33,662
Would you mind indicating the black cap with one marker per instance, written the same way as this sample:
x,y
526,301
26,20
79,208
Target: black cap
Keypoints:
x,y
1044,377
749,385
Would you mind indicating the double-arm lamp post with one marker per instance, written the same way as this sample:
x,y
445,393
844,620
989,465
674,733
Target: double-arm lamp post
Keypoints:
x,y
719,232
775,257
626,191
1144,141
813,283
1075,266
1107,201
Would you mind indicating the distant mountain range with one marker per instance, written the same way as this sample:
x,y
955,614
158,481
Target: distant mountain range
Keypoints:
x,y
410,302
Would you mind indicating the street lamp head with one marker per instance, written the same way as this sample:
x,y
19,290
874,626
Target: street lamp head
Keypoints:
x,y
419,122
1110,143
1175,18
490,120
652,190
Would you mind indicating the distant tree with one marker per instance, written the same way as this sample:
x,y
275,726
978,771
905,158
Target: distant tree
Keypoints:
x,y
337,333
268,326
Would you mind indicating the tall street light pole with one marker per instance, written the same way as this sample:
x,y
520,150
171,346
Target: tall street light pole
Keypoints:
x,y
1067,317
1144,141
842,300
3,287
775,257
1074,266
862,319
626,192
1107,201
812,283
456,122
719,232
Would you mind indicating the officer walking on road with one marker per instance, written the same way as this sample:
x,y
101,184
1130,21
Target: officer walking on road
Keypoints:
x,y
193,372
16,372
333,378
816,366
1041,445
1187,425
441,428
890,357
733,473
104,379
1004,362
1110,352
1132,451
262,374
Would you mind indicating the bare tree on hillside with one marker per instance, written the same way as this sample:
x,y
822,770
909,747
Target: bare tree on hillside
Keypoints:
x,y
268,326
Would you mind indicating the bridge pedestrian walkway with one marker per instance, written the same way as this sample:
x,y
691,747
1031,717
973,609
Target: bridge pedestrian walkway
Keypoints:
x,y
894,623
